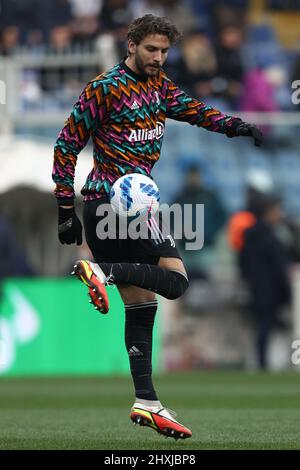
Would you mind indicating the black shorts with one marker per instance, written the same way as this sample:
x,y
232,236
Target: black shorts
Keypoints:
x,y
145,251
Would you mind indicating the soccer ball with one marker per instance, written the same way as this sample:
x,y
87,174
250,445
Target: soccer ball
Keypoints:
x,y
133,195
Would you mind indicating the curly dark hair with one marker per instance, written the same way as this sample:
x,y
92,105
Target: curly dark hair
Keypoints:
x,y
150,24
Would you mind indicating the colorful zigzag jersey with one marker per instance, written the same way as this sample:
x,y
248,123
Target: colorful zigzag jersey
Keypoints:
x,y
125,116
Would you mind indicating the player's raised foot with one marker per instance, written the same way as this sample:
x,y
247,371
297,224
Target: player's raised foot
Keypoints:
x,y
94,278
160,419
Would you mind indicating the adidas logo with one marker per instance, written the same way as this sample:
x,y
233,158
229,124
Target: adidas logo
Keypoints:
x,y
171,241
134,351
134,105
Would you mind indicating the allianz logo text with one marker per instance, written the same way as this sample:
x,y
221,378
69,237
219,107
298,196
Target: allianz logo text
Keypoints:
x,y
140,135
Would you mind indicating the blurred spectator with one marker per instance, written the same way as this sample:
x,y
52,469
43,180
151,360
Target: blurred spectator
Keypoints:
x,y
228,82
265,89
177,11
86,8
229,13
261,186
264,266
259,95
19,13
30,90
9,40
181,14
263,258
259,183
142,7
278,77
203,11
35,41
194,192
55,80
85,24
52,13
114,19
60,38
115,16
198,65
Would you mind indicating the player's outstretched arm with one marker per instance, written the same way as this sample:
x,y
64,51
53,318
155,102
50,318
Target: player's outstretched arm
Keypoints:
x,y
182,107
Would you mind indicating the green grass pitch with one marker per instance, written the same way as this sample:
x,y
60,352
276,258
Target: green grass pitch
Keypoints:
x,y
225,410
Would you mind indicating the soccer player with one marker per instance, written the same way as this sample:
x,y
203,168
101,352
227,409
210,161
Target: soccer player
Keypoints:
x,y
124,111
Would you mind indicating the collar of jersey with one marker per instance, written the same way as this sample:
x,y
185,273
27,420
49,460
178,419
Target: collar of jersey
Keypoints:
x,y
130,72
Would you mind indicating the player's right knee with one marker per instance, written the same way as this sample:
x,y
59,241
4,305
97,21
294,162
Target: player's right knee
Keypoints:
x,y
179,285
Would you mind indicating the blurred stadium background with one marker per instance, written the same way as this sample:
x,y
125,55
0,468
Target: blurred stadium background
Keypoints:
x,y
241,56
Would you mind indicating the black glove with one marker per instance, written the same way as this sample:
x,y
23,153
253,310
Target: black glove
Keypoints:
x,y
69,226
245,129
252,131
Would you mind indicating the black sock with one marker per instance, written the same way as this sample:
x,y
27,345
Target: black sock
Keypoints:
x,y
169,284
138,339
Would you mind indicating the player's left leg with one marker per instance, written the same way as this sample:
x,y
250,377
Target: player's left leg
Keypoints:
x,y
140,310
